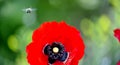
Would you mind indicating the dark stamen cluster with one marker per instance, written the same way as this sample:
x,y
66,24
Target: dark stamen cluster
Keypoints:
x,y
61,55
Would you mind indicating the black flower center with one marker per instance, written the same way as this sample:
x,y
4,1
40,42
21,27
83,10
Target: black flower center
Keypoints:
x,y
55,52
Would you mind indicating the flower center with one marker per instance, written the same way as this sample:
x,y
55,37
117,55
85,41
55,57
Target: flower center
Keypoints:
x,y
55,51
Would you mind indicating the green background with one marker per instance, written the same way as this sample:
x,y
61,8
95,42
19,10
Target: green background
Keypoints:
x,y
96,20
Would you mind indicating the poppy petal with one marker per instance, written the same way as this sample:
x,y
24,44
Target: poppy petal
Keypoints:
x,y
117,34
118,63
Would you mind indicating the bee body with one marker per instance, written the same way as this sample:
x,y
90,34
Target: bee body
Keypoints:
x,y
29,10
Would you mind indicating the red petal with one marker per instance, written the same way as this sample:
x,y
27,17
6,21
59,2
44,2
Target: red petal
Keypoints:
x,y
117,34
118,63
34,56
71,58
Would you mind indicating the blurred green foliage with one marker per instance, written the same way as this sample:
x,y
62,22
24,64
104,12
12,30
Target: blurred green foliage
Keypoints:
x,y
96,19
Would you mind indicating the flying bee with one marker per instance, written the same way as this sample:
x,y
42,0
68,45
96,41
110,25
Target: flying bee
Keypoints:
x,y
29,10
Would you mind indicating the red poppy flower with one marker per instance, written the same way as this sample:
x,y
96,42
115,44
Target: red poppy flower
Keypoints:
x,y
55,43
118,63
117,34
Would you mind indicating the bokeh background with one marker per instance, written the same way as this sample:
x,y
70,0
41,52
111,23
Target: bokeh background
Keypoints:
x,y
96,19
